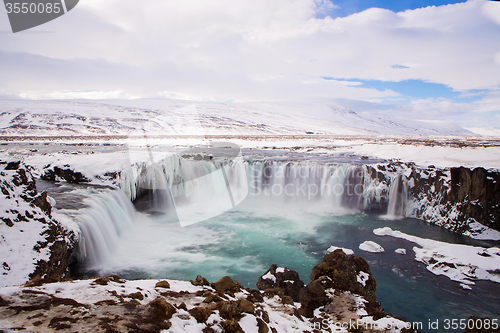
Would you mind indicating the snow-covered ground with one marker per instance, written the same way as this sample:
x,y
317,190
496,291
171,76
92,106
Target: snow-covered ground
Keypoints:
x,y
84,305
330,130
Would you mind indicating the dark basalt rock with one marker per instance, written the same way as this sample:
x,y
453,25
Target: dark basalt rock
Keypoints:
x,y
287,282
231,326
255,295
200,281
313,296
162,284
201,314
12,165
340,272
68,175
41,202
56,269
230,310
162,308
343,271
473,195
478,192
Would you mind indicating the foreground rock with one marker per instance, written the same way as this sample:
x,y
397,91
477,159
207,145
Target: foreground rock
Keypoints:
x,y
33,245
339,273
281,281
341,297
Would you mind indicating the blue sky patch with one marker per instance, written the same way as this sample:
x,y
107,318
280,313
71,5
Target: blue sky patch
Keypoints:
x,y
348,7
418,89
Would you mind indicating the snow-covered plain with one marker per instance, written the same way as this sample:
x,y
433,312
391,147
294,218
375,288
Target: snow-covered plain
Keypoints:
x,y
328,129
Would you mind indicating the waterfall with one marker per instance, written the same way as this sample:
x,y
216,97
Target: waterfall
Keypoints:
x,y
108,216
398,194
198,190
298,182
194,191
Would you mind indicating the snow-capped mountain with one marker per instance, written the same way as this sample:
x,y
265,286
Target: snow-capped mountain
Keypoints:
x,y
175,117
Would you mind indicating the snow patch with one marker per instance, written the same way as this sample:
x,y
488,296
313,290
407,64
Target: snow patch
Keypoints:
x,y
248,323
400,251
370,246
280,270
269,276
362,278
479,231
346,251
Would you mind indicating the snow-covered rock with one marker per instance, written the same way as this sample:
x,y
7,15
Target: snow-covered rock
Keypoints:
x,y
370,246
33,244
400,251
346,251
460,199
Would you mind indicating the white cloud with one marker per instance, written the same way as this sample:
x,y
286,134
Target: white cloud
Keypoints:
x,y
491,10
254,50
497,57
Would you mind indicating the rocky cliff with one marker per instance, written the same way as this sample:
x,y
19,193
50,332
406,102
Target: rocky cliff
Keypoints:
x,y
459,199
33,244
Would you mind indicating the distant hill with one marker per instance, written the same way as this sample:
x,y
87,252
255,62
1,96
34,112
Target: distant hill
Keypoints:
x,y
171,117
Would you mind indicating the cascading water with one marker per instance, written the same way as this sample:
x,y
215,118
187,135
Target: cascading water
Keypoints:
x,y
333,186
210,187
108,216
194,191
398,194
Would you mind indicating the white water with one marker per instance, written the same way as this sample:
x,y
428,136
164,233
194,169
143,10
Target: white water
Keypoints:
x,y
398,195
198,190
109,216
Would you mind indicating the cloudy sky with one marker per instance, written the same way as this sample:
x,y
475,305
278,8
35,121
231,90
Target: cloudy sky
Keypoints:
x,y
422,59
